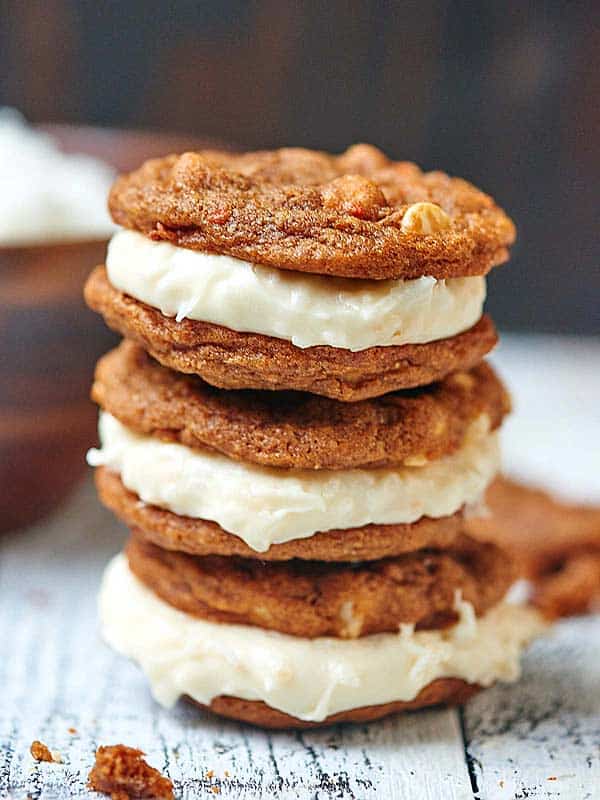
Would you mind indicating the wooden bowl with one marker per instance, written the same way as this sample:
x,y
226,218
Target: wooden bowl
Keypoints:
x,y
49,343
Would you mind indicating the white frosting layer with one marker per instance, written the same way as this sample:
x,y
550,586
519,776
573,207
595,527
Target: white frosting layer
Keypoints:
x,y
307,678
304,309
265,506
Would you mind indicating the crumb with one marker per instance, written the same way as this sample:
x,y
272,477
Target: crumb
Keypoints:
x,y
552,778
210,774
42,753
501,784
72,731
226,773
216,790
122,773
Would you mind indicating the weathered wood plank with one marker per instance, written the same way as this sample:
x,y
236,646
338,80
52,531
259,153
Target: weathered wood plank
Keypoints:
x,y
541,738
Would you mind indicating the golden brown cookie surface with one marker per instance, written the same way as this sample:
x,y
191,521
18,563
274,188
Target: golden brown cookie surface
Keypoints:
x,y
349,215
293,429
122,773
312,598
554,544
446,691
202,537
232,360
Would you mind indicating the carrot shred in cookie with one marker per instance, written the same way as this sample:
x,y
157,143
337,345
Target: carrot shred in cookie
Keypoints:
x,y
121,772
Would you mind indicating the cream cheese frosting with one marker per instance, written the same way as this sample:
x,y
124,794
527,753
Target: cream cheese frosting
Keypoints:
x,y
305,309
266,505
307,678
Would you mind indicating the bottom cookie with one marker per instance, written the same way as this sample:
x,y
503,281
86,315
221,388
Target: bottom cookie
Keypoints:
x,y
311,681
443,691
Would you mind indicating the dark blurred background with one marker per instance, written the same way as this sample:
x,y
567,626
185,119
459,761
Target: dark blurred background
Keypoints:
x,y
502,93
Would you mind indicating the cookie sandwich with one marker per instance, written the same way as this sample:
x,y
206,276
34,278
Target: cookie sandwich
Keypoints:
x,y
346,276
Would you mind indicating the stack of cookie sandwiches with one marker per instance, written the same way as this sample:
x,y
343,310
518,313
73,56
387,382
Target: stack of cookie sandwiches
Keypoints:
x,y
294,428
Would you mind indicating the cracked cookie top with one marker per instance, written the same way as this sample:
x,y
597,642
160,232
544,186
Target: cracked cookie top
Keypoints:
x,y
356,215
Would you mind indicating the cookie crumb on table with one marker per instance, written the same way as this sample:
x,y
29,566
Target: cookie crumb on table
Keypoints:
x,y
122,773
41,752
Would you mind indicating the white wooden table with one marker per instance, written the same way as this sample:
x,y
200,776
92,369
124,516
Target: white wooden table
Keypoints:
x,y
539,739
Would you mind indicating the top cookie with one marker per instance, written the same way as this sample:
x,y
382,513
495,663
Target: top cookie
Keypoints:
x,y
356,215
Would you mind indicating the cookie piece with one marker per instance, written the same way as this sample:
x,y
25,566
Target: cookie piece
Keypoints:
x,y
442,691
292,429
312,599
353,215
41,752
555,545
232,360
202,537
571,588
121,772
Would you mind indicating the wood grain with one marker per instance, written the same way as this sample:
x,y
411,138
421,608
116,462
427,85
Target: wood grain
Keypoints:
x,y
541,738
